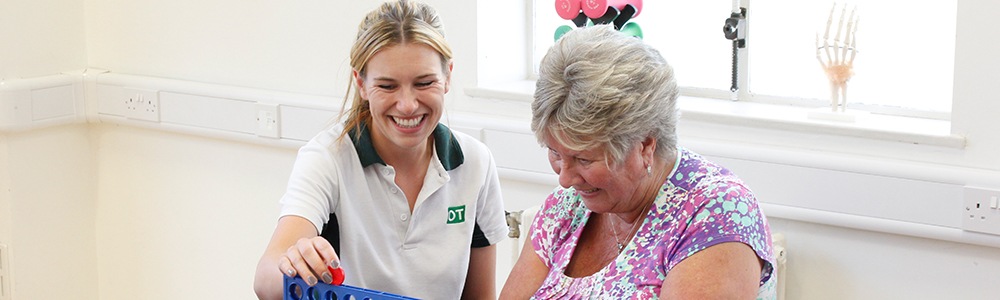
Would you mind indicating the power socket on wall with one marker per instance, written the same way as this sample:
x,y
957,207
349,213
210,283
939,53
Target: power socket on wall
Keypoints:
x,y
981,211
267,120
141,104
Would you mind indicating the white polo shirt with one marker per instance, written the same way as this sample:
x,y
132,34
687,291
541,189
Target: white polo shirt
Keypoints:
x,y
424,254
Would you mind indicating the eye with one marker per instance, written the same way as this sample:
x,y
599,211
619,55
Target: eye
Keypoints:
x,y
386,86
554,154
425,83
583,161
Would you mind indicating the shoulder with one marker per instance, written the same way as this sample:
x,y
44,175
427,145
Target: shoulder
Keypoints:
x,y
715,197
329,139
471,146
562,211
326,153
555,224
723,206
699,175
463,151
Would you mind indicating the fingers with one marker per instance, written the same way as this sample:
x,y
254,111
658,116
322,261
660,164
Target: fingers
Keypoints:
x,y
325,250
310,258
298,265
285,266
328,259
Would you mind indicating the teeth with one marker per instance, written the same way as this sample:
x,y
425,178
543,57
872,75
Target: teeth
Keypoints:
x,y
589,191
408,122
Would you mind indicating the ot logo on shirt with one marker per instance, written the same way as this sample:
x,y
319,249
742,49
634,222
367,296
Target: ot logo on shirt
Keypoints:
x,y
456,214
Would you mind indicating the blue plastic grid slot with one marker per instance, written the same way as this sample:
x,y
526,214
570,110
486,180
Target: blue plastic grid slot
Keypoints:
x,y
297,289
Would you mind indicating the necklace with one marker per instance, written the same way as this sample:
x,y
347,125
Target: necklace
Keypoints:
x,y
635,226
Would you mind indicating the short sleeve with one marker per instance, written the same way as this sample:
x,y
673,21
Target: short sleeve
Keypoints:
x,y
313,186
554,225
725,211
490,219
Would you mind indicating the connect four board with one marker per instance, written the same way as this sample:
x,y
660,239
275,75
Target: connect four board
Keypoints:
x,y
297,289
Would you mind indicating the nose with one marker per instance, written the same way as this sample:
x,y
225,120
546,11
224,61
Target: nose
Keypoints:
x,y
568,176
407,102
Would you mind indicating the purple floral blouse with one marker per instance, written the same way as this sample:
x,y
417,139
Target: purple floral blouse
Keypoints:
x,y
701,204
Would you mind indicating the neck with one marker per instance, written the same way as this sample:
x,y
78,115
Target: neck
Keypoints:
x,y
400,157
648,189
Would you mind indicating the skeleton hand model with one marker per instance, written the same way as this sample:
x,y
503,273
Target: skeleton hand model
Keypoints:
x,y
839,59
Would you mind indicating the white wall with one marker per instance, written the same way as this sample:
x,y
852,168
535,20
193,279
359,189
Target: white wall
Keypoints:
x,y
157,214
44,37
183,217
49,205
47,198
975,80
298,46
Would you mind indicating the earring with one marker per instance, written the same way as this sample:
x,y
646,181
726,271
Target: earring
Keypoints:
x,y
649,169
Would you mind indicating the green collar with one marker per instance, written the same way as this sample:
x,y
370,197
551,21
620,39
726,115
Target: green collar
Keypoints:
x,y
448,150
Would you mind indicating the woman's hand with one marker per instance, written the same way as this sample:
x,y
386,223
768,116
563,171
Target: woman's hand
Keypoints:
x,y
311,258
295,249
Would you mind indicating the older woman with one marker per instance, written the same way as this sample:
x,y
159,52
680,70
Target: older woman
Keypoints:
x,y
636,216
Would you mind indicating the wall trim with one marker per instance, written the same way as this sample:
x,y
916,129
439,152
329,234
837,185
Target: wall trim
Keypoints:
x,y
94,96
32,103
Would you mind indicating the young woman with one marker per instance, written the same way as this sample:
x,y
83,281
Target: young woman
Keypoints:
x,y
397,200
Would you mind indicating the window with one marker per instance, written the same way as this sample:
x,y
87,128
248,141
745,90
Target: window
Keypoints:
x,y
904,64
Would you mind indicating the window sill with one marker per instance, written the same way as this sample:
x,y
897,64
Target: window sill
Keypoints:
x,y
879,127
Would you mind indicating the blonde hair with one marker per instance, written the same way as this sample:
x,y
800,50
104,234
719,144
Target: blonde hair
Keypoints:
x,y
599,87
393,23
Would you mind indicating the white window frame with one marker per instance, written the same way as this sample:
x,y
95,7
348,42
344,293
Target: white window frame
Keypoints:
x,y
745,92
512,97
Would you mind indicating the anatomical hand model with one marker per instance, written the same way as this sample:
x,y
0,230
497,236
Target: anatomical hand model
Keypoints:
x,y
838,61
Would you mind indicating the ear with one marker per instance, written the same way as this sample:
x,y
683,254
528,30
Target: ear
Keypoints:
x,y
648,148
359,83
447,79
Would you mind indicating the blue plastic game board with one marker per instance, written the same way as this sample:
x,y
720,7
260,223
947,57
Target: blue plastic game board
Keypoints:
x,y
297,289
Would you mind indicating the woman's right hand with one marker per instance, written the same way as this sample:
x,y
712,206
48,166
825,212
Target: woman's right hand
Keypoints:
x,y
294,249
311,258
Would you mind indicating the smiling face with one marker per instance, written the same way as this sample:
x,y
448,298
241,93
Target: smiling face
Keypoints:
x,y
405,86
603,185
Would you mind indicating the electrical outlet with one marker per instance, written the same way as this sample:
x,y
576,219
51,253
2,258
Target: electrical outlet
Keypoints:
x,y
141,104
981,211
267,120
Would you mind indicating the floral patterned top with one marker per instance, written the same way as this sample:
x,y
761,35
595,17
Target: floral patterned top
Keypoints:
x,y
700,205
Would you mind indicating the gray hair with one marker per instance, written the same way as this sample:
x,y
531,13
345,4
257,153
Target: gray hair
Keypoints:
x,y
597,86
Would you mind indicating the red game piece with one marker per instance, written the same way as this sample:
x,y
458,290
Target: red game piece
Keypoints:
x,y
338,275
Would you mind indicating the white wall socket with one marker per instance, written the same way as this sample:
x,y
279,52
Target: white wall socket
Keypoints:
x,y
981,210
267,120
141,104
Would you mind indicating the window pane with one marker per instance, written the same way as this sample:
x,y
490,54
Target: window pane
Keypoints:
x,y
689,35
546,21
905,52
